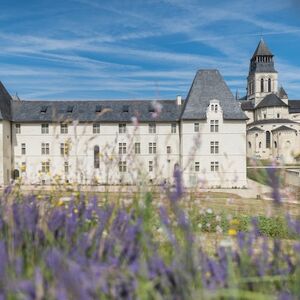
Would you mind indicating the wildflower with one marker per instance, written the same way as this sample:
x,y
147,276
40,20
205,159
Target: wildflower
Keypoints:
x,y
234,222
209,211
274,184
219,229
232,232
60,202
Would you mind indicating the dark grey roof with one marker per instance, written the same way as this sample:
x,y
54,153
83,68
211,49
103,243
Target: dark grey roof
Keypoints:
x,y
258,66
262,49
283,127
282,93
270,121
255,129
209,85
247,105
91,111
5,103
271,100
294,106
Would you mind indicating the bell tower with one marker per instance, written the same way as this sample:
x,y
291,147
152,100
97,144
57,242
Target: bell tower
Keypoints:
x,y
262,77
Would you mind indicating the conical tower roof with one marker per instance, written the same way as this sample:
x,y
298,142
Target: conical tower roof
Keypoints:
x,y
262,50
282,93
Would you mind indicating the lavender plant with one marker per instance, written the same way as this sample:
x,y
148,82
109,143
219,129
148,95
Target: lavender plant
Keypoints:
x,y
89,248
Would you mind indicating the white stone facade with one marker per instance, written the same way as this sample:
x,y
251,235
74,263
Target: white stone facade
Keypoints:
x,y
273,125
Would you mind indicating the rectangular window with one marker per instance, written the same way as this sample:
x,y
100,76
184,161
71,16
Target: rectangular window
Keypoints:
x,y
169,150
23,148
66,167
45,166
122,128
96,128
152,148
122,148
214,126
64,128
152,128
23,166
197,166
173,127
64,149
18,128
214,147
196,127
150,166
137,148
214,166
45,148
122,166
45,128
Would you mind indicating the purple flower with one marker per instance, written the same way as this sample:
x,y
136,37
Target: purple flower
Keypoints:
x,y
275,184
177,175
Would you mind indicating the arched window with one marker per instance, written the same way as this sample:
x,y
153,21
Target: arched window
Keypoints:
x,y
268,139
269,85
262,85
275,145
259,145
96,157
249,145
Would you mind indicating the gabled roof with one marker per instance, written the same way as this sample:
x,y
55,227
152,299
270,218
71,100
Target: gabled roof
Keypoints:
x,y
255,129
283,127
93,111
271,100
247,105
282,93
5,103
209,85
262,49
294,106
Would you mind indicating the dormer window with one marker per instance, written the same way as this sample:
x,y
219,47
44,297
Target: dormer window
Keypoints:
x,y
125,108
151,109
98,108
44,109
70,109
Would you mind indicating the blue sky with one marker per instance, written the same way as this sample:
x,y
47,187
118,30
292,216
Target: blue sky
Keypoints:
x,y
148,49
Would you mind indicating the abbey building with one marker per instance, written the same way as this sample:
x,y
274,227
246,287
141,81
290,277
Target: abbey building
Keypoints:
x,y
273,125
126,142
209,134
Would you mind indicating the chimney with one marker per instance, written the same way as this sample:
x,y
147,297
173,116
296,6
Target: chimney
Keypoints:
x,y
179,100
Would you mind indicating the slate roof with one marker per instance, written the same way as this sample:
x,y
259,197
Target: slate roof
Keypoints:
x,y
247,105
268,121
294,106
255,129
209,85
262,49
91,111
283,127
262,66
5,103
282,93
271,100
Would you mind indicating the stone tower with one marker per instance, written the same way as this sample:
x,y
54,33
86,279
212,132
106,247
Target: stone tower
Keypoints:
x,y
262,78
